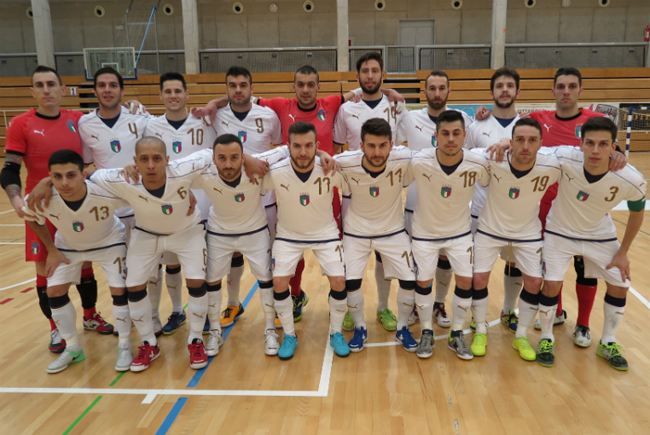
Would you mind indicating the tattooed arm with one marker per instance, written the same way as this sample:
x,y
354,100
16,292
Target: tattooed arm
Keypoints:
x,y
10,179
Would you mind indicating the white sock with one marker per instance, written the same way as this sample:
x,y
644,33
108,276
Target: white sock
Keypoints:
x,y
460,310
154,290
141,316
197,310
266,297
65,318
613,318
479,311
234,283
174,283
424,305
355,306
511,288
546,318
527,314
405,302
383,287
443,282
214,310
337,313
284,309
122,318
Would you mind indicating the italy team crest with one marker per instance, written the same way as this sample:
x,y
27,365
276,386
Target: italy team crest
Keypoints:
x,y
272,263
445,191
242,136
78,226
579,131
321,115
177,146
582,195
36,248
167,209
374,191
304,200
514,193
116,147
72,127
433,140
240,197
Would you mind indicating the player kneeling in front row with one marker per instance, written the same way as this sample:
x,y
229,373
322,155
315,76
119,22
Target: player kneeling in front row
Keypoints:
x,y
579,224
87,230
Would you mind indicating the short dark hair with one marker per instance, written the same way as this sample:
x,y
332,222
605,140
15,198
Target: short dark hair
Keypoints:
x,y
63,157
171,75
306,69
235,71
437,73
108,70
504,71
227,139
599,123
450,116
567,71
46,69
527,122
376,127
373,55
302,127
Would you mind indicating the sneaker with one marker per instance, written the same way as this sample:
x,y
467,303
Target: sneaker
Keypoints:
x,y
523,346
360,336
408,342
299,303
215,341
157,326
472,325
289,346
440,315
174,322
206,326
510,320
612,353
581,336
387,319
479,344
425,348
97,323
198,358
271,342
146,355
124,358
348,322
458,345
545,350
559,320
414,317
65,359
278,324
57,344
341,348
230,314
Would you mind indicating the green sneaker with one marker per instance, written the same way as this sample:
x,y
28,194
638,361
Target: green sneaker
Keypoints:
x,y
523,346
472,325
387,319
545,350
611,352
348,322
479,344
510,320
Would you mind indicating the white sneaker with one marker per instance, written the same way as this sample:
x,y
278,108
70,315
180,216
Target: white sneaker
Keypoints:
x,y
272,342
65,359
440,315
157,326
124,358
414,317
215,341
559,320
581,336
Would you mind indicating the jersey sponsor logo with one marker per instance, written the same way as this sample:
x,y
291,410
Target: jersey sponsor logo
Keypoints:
x,y
419,128
72,127
486,134
56,216
433,140
240,197
355,180
354,116
78,226
167,209
304,199
293,117
374,191
115,146
242,136
497,178
160,135
428,177
321,115
445,191
36,248
177,146
579,131
582,196
548,127
42,132
95,137
225,123
514,193
286,187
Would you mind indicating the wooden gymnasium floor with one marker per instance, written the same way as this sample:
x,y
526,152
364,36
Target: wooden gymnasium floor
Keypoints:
x,y
382,390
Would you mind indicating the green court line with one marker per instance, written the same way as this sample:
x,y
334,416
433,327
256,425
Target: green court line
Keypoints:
x,y
116,379
82,416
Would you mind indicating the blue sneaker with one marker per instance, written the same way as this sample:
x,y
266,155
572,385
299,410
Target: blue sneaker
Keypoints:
x,y
206,327
341,348
289,346
174,321
360,337
404,336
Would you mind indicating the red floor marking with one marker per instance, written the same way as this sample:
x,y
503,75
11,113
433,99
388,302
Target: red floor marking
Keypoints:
x,y
27,289
6,300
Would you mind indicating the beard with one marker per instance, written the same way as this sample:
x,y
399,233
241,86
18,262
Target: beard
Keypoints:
x,y
376,165
373,90
298,165
504,105
437,105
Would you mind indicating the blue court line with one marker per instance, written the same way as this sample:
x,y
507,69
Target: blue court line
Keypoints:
x,y
178,406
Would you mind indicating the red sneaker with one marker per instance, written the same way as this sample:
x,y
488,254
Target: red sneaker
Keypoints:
x,y
97,323
198,357
146,354
57,344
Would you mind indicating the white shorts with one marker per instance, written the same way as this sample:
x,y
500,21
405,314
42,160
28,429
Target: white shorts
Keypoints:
x,y
408,222
458,250
527,255
286,256
559,251
256,248
272,218
129,224
111,259
144,254
395,254
504,252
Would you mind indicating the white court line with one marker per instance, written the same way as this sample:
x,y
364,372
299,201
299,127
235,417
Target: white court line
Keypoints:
x,y
11,225
16,285
12,243
6,211
643,300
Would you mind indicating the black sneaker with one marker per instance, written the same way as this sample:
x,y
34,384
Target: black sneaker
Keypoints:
x,y
298,303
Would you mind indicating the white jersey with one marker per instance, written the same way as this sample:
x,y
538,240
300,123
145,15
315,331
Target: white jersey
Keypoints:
x,y
351,116
304,208
482,134
93,226
165,215
417,129
375,208
257,132
511,210
581,209
442,206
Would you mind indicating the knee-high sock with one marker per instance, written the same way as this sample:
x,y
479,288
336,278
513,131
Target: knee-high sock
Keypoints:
x,y
174,282
266,297
197,305
614,310
405,302
65,316
443,281
383,286
547,307
154,289
43,301
528,308
512,284
424,305
284,309
234,280
296,279
558,308
462,303
122,318
355,306
214,306
338,306
140,308
88,292
480,301
586,289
